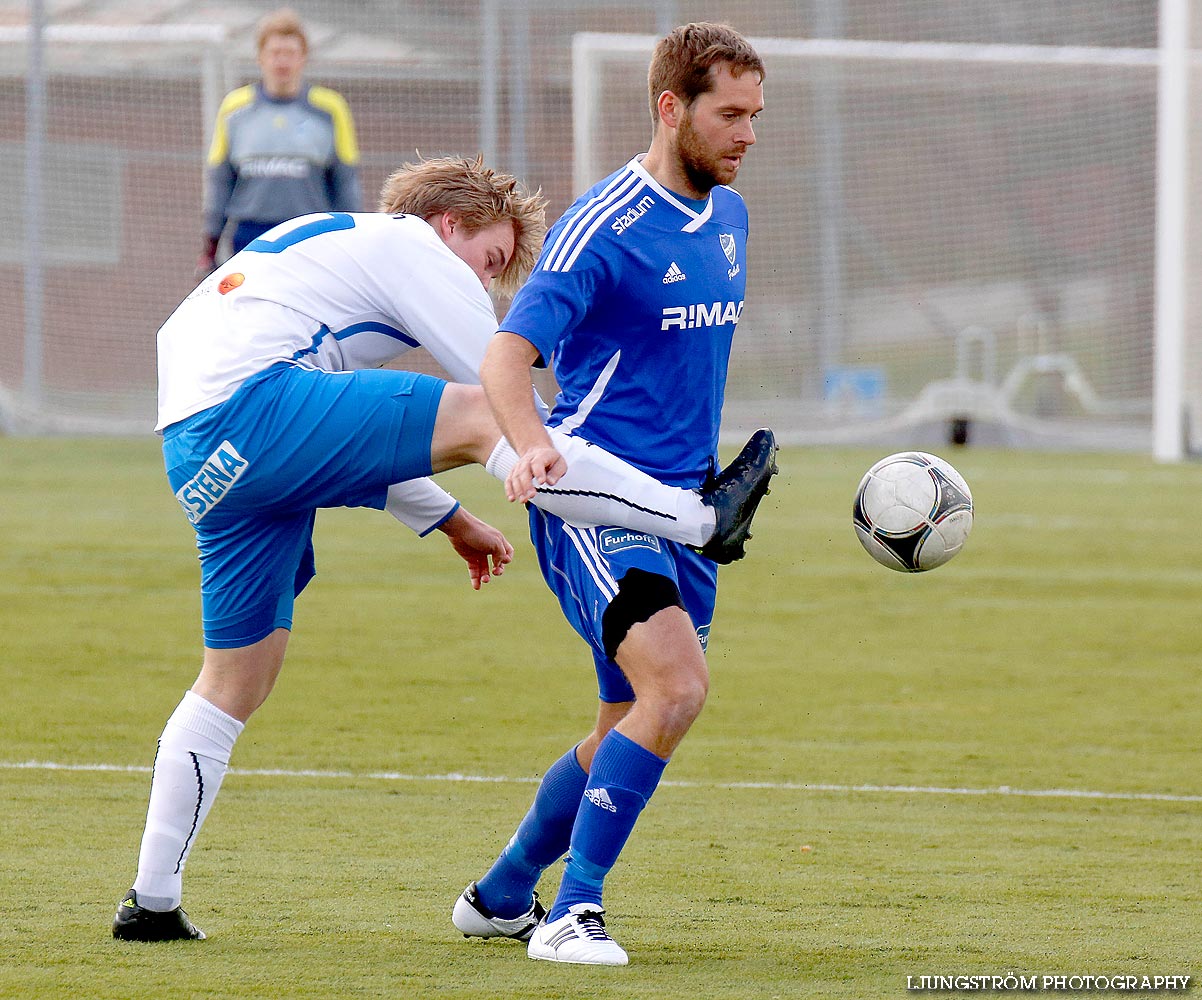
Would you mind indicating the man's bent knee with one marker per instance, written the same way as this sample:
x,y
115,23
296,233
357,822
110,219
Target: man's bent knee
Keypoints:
x,y
652,638
464,430
666,668
678,703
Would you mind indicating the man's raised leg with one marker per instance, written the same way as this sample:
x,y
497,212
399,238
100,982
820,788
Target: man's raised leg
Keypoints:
x,y
600,488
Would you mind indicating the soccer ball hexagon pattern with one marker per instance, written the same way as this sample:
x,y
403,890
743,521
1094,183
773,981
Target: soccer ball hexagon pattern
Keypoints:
x,y
912,511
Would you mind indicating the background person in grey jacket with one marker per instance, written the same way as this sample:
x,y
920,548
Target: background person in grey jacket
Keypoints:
x,y
281,148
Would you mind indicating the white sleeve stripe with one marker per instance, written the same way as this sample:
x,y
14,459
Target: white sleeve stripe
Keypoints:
x,y
574,237
566,234
567,266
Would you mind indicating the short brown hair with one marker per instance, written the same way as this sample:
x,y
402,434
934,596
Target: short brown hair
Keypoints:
x,y
683,59
477,196
284,21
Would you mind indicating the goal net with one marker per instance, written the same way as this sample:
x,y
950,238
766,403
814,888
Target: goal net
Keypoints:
x,y
948,240
953,202
99,192
100,229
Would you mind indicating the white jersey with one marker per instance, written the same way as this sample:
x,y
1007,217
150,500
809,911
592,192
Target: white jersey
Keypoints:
x,y
335,291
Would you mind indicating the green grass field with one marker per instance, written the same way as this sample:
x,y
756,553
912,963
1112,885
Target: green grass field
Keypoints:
x,y
992,768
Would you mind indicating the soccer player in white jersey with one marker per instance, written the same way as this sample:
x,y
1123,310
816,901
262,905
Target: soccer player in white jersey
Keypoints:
x,y
635,299
272,404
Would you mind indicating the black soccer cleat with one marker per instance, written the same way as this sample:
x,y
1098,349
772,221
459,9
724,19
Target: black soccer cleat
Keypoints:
x,y
735,493
134,922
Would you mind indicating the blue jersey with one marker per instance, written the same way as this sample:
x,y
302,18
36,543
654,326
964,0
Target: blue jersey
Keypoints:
x,y
634,301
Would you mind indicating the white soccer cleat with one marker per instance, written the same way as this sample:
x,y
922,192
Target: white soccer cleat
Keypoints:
x,y
474,919
579,937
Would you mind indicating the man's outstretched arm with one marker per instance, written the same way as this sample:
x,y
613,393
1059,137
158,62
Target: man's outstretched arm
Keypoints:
x,y
505,375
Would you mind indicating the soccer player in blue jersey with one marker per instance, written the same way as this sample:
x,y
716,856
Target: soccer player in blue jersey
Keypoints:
x,y
634,300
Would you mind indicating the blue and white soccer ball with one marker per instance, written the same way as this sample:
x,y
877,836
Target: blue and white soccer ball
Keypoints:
x,y
912,512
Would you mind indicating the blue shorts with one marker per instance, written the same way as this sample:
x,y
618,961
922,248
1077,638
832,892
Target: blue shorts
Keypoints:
x,y
251,473
583,567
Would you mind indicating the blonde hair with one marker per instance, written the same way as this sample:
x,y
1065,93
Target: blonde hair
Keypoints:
x,y
683,59
478,197
284,21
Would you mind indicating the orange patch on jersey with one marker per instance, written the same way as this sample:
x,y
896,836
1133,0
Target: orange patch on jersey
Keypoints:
x,y
230,282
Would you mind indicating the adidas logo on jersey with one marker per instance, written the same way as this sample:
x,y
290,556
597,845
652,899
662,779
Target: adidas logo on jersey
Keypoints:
x,y
674,273
600,797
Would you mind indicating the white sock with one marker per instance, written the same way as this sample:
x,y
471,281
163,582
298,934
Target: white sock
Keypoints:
x,y
194,753
600,488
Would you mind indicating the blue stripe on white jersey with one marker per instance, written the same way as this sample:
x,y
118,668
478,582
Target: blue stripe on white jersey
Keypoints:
x,y
333,290
350,331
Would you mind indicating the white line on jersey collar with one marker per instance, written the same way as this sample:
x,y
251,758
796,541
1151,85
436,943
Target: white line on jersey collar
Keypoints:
x,y
697,219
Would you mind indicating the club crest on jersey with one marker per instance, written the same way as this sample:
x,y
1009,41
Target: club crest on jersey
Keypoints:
x,y
701,314
632,215
730,248
617,539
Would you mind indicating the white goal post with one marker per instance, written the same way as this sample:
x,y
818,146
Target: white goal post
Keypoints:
x,y
1172,209
893,328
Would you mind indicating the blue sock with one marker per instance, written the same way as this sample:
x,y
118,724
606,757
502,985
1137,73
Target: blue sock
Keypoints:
x,y
622,779
541,840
